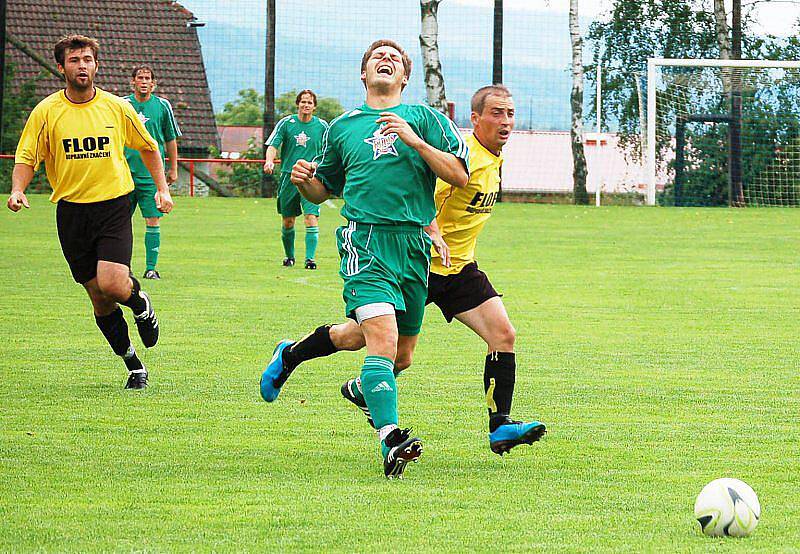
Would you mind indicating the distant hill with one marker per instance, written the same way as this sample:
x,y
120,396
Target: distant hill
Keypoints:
x,y
322,50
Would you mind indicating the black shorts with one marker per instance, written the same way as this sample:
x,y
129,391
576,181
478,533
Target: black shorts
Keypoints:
x,y
92,232
458,293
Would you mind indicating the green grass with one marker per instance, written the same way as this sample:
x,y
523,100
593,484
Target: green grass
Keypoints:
x,y
659,345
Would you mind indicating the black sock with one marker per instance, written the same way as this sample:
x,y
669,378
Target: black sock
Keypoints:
x,y
315,345
115,330
132,361
135,302
498,383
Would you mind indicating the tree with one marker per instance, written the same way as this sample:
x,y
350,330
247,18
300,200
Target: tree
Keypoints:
x,y
19,99
248,108
637,30
429,45
328,108
579,170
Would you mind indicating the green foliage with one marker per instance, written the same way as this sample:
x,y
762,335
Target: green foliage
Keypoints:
x,y
19,98
248,108
328,108
244,179
685,29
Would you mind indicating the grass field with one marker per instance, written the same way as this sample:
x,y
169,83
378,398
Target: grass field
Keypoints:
x,y
659,345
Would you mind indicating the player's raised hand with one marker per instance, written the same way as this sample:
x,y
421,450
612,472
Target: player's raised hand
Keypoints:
x,y
17,200
393,123
164,201
269,167
302,172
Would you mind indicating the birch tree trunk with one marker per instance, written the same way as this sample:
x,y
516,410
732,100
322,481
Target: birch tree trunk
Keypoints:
x,y
723,41
429,44
579,169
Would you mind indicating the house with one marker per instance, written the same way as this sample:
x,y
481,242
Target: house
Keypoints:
x,y
535,161
158,33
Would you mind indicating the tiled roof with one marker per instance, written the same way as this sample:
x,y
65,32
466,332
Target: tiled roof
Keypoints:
x,y
151,32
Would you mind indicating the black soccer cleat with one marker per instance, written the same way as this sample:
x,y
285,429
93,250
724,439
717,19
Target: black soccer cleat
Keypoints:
x,y
137,379
147,322
151,274
402,449
311,264
288,262
348,391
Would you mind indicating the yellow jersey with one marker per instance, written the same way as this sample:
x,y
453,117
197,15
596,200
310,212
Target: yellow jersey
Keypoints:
x,y
461,213
83,145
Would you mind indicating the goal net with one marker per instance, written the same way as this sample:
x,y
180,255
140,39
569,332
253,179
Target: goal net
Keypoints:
x,y
723,132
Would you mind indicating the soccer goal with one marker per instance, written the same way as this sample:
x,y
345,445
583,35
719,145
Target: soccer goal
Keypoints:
x,y
723,132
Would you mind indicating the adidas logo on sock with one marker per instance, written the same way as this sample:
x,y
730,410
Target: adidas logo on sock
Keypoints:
x,y
382,386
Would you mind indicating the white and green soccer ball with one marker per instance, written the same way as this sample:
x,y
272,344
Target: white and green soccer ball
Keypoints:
x,y
727,507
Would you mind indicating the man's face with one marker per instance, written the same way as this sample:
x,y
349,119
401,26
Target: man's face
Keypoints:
x,y
385,70
143,84
79,68
493,126
306,105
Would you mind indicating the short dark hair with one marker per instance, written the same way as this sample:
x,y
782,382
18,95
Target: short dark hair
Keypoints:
x,y
139,68
480,96
392,44
302,92
74,42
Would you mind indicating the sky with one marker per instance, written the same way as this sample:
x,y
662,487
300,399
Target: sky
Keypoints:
x,y
776,18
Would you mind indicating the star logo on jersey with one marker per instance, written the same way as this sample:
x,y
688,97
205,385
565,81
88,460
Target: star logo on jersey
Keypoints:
x,y
301,139
143,118
382,144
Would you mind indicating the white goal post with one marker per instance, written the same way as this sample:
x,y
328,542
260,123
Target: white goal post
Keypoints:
x,y
652,80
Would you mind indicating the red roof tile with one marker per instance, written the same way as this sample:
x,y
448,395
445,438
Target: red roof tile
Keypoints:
x,y
151,32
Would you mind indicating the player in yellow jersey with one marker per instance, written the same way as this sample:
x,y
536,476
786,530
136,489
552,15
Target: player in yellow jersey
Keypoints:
x,y
455,284
80,134
459,288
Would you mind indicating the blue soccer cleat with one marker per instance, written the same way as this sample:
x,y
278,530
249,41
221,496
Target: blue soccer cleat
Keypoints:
x,y
274,376
514,433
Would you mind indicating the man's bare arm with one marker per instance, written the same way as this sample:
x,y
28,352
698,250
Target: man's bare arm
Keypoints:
x,y
20,179
445,165
172,155
152,161
309,186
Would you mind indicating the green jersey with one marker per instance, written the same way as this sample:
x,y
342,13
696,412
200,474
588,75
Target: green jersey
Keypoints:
x,y
297,140
159,120
382,180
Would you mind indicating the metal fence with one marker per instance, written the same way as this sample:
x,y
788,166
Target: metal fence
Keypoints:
x,y
212,59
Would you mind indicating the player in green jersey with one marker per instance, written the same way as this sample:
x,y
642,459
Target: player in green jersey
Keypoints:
x,y
299,137
383,159
157,115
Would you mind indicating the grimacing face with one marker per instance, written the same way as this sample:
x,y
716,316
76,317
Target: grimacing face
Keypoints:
x,y
143,83
493,126
306,105
384,69
79,68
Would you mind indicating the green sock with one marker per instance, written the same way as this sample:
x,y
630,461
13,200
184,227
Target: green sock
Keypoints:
x,y
152,243
357,392
312,238
380,390
287,236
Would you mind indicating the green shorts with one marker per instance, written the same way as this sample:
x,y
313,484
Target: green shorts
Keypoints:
x,y
144,197
386,263
290,202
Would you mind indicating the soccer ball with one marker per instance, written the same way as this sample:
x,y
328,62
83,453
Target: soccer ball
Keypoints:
x,y
727,507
